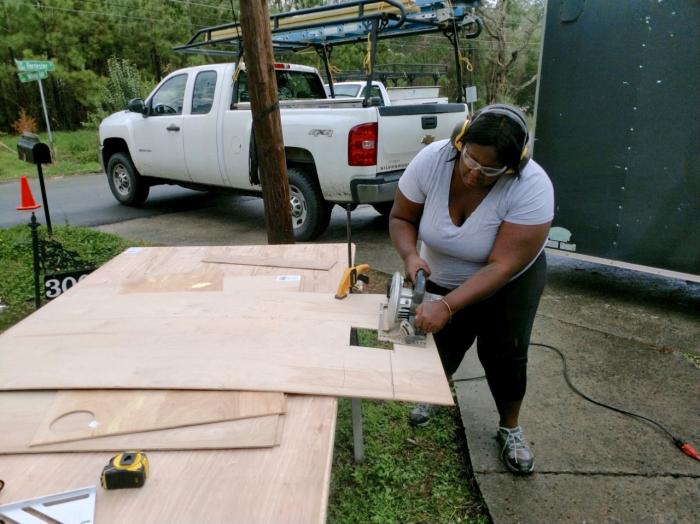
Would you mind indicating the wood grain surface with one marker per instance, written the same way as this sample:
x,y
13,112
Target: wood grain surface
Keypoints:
x,y
116,412
283,484
22,411
75,340
269,340
266,261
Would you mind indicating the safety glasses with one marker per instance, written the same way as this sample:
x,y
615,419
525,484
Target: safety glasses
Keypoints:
x,y
486,171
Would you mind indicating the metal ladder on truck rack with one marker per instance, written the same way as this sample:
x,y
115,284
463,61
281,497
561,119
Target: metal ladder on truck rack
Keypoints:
x,y
322,28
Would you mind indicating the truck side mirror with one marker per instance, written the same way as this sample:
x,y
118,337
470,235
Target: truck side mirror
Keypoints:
x,y
374,101
136,105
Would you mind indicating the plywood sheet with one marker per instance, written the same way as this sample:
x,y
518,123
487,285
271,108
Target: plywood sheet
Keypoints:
x,y
134,264
283,484
269,340
257,432
201,280
270,261
77,415
22,411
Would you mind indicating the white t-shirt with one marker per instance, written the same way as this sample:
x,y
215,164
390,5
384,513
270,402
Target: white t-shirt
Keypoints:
x,y
455,253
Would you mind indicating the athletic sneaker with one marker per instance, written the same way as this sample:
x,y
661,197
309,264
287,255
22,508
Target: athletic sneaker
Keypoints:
x,y
515,453
420,415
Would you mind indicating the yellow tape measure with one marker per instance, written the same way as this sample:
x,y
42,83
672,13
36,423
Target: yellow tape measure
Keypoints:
x,y
128,469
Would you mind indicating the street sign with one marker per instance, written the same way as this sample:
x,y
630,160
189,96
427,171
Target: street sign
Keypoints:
x,y
34,65
28,76
31,70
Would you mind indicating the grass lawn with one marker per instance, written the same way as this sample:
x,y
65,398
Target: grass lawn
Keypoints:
x,y
410,475
75,153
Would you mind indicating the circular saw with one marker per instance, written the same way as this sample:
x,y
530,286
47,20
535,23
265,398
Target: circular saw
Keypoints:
x,y
397,318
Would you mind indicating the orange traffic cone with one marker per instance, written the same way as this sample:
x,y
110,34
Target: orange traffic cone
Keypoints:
x,y
27,199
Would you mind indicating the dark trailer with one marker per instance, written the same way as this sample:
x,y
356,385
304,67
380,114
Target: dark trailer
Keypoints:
x,y
618,131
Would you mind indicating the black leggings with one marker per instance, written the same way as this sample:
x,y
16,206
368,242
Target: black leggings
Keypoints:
x,y
501,325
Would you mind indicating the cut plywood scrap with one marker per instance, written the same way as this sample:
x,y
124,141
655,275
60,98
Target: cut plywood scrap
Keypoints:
x,y
77,415
257,432
318,264
22,411
282,484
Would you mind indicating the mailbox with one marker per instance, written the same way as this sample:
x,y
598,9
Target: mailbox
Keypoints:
x,y
32,150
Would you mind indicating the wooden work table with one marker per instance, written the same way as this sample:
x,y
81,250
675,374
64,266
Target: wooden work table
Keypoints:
x,y
225,319
286,483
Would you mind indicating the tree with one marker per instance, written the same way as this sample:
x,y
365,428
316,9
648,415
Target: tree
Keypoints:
x,y
512,30
79,36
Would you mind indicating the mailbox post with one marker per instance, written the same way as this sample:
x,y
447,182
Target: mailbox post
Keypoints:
x,y
32,150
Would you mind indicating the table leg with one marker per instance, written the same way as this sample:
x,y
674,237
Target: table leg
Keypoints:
x,y
357,437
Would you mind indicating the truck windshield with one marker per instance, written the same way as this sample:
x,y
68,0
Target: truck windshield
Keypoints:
x,y
291,85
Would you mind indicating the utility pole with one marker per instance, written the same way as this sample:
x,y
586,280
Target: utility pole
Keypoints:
x,y
267,125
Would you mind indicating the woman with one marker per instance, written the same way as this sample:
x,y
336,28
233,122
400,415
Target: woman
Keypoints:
x,y
482,210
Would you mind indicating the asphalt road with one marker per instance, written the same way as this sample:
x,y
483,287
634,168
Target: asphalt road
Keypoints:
x,y
86,200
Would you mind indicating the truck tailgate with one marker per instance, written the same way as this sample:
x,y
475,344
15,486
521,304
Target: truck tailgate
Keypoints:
x,y
405,130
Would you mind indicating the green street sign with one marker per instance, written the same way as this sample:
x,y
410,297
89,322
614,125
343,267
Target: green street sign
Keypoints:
x,y
32,75
29,66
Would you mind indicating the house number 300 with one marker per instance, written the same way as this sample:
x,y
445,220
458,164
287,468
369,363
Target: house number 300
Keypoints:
x,y
55,286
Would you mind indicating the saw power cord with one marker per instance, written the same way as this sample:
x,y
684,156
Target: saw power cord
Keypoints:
x,y
684,446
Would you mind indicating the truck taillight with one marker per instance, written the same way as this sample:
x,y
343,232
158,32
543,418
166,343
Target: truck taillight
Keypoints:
x,y
280,65
362,145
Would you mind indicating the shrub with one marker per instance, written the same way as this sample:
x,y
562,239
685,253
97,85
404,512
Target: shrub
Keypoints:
x,y
25,123
124,82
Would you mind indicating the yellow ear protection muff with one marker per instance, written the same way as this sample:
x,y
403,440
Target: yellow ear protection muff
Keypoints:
x,y
459,131
511,112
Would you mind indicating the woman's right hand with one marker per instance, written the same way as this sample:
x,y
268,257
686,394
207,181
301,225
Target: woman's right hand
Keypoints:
x,y
412,264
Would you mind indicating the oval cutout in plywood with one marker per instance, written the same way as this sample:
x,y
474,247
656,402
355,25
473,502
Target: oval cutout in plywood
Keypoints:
x,y
74,421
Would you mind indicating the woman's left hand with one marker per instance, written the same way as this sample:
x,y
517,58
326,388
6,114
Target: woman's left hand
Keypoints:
x,y
432,316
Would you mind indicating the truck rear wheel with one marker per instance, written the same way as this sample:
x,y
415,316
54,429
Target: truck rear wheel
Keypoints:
x,y
310,212
128,187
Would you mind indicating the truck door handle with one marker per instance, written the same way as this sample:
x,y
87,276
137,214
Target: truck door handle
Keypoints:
x,y
173,127
429,122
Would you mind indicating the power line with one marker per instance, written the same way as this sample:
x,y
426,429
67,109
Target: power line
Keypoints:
x,y
100,13
206,19
210,6
198,19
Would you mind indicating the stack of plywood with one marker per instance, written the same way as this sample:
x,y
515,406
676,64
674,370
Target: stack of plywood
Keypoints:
x,y
196,349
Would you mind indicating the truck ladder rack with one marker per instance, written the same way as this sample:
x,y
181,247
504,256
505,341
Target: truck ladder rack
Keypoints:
x,y
321,28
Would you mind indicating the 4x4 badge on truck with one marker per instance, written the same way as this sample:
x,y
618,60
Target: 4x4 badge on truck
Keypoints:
x,y
427,139
324,132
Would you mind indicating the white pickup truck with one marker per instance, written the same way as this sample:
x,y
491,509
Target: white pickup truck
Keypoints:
x,y
194,130
390,96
